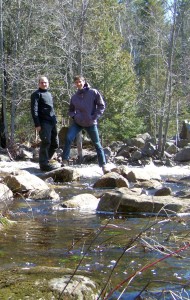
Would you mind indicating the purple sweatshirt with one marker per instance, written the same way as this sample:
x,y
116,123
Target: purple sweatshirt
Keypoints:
x,y
86,106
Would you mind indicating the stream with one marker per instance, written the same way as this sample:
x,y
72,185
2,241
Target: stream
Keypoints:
x,y
135,250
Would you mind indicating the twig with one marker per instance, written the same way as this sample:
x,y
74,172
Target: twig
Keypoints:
x,y
145,268
127,247
100,231
9,155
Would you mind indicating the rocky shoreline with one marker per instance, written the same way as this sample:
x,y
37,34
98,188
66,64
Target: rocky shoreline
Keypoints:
x,y
125,189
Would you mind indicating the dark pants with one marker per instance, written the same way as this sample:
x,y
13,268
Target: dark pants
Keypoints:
x,y
93,134
49,142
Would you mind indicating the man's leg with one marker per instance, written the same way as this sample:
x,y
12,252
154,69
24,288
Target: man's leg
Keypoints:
x,y
54,142
73,130
45,136
94,135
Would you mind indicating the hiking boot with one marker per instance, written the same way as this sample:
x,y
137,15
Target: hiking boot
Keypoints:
x,y
48,168
105,169
64,163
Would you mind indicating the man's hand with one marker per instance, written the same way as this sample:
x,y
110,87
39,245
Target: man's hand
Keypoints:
x,y
38,128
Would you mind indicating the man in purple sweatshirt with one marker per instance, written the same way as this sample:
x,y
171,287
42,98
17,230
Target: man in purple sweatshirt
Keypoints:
x,y
86,106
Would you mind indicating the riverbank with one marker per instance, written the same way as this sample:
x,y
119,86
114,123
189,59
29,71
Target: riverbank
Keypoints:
x,y
93,170
46,240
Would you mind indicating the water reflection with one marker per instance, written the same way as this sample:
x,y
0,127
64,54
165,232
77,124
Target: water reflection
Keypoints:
x,y
122,245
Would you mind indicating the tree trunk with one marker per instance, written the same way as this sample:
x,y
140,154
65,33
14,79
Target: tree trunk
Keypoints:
x,y
168,90
3,118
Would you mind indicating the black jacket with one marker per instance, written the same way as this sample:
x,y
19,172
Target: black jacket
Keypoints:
x,y
42,107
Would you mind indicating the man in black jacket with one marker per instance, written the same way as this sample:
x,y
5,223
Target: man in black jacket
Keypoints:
x,y
45,121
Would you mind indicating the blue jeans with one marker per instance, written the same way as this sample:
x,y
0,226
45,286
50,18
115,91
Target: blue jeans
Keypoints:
x,y
92,131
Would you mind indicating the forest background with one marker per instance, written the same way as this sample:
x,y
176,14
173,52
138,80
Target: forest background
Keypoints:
x,y
135,52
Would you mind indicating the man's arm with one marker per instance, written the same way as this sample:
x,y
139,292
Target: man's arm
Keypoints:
x,y
35,110
100,105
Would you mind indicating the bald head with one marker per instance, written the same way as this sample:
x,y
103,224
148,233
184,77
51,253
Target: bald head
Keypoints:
x,y
43,83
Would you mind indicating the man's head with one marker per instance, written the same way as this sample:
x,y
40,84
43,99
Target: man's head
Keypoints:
x,y
79,82
43,83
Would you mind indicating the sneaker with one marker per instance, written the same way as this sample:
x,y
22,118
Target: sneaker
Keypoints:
x,y
64,163
105,169
48,167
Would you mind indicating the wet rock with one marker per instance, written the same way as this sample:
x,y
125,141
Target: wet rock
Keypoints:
x,y
82,201
79,287
124,200
25,183
4,158
148,184
47,283
64,174
165,191
138,174
111,180
6,196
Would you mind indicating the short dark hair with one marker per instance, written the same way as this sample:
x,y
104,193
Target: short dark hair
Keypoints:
x,y
78,77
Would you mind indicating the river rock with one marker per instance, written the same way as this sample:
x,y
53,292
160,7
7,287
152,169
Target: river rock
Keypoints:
x,y
124,200
6,196
4,158
145,136
79,287
138,142
136,155
165,191
185,130
172,149
149,150
183,155
124,151
111,180
138,174
64,174
25,183
82,201
148,184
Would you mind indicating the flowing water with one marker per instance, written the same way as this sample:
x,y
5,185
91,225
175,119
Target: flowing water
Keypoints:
x,y
135,250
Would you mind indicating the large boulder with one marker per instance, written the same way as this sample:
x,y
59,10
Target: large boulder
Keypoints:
x,y
149,149
183,155
124,200
64,174
111,180
25,183
138,142
185,130
81,201
172,149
